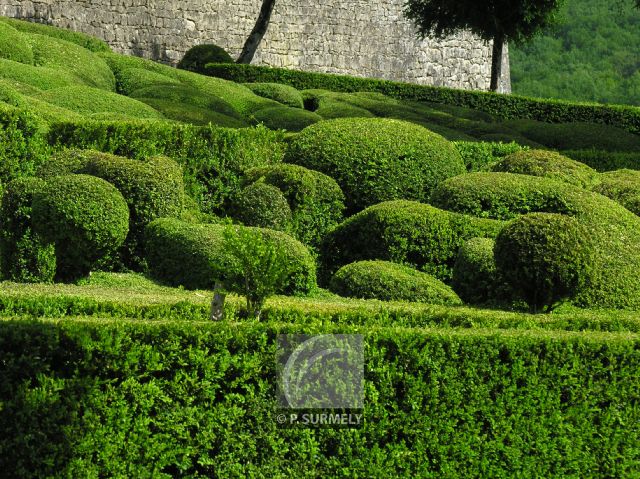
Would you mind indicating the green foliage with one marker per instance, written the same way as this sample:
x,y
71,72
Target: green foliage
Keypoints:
x,y
480,155
548,164
475,276
198,56
622,186
577,135
390,282
26,257
374,160
315,199
408,232
213,159
87,101
86,41
615,231
129,80
284,94
590,56
263,205
13,45
193,255
286,118
86,217
259,266
198,400
602,160
500,106
31,79
545,257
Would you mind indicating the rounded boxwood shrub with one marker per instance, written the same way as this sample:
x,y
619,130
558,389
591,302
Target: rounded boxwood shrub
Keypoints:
x,y
475,276
14,45
26,256
407,232
390,282
264,206
197,57
545,257
286,118
85,217
548,164
190,255
614,229
67,162
315,199
285,94
377,159
622,186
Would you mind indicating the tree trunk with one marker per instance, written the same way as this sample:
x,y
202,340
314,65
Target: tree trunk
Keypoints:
x,y
217,303
256,35
496,63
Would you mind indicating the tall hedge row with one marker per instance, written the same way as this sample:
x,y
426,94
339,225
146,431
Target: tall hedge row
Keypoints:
x,y
174,399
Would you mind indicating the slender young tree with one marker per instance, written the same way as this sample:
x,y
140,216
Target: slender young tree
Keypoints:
x,y
257,34
500,21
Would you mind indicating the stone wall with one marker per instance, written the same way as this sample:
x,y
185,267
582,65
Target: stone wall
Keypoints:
x,y
355,37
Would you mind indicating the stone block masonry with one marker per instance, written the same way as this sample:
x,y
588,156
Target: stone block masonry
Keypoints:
x,y
353,37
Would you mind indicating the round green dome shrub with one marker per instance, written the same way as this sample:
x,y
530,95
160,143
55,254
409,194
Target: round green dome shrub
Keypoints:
x,y
390,282
548,164
197,57
545,257
407,232
26,256
67,162
614,229
622,186
85,217
475,276
377,159
264,206
190,255
286,118
14,45
285,94
316,200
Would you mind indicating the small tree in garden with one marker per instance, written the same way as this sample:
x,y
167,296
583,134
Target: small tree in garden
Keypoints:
x,y
257,268
500,21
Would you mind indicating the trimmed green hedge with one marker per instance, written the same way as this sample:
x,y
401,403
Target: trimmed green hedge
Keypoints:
x,y
481,155
376,159
189,255
605,160
14,45
282,117
501,106
408,232
622,186
198,56
281,93
198,400
614,230
264,206
390,282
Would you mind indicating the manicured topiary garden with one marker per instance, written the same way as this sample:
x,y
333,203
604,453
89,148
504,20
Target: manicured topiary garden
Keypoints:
x,y
487,248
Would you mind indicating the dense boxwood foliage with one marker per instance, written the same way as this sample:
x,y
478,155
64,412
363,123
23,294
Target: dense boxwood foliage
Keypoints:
x,y
85,217
197,400
286,118
475,276
408,232
264,206
548,164
602,160
25,256
213,159
502,106
14,45
390,282
614,230
545,257
622,186
191,255
315,199
198,56
481,155
376,159
285,94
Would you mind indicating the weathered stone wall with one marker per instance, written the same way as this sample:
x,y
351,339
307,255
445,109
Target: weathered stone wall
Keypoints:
x,y
355,37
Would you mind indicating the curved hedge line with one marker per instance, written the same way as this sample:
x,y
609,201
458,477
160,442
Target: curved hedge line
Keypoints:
x,y
376,159
390,282
408,232
14,45
198,56
284,94
186,254
264,206
622,186
614,229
